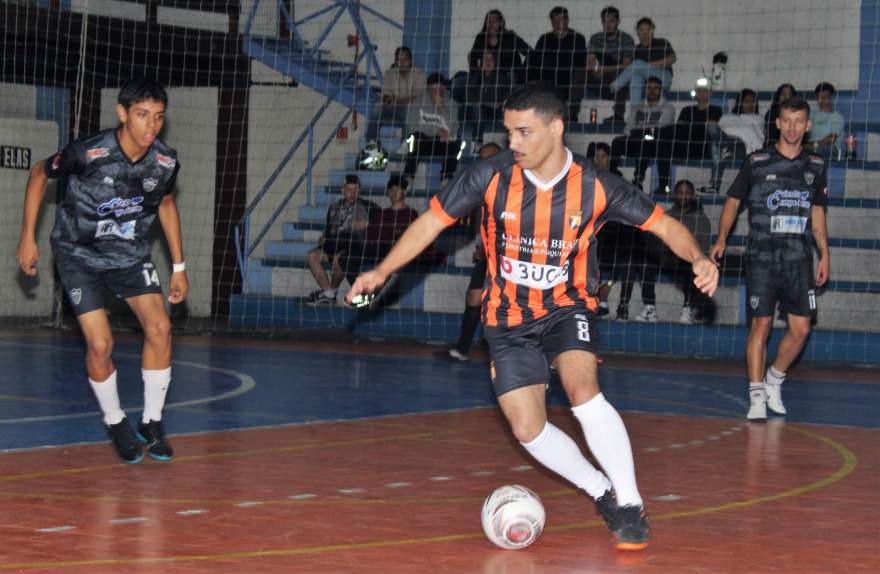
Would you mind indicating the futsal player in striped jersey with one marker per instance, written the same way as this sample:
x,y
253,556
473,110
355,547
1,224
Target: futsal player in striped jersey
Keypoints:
x,y
542,208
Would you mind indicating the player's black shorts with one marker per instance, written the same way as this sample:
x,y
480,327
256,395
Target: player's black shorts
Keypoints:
x,y
478,275
85,287
521,356
790,283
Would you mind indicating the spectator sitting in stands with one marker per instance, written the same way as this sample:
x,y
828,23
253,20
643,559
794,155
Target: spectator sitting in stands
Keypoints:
x,y
511,52
347,219
652,58
827,124
610,52
402,83
487,90
560,59
695,135
382,231
697,307
642,131
432,125
744,123
771,132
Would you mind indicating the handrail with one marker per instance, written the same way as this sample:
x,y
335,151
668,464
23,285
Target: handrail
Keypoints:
x,y
244,245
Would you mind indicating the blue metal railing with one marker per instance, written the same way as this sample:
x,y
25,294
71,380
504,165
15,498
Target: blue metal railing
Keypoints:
x,y
243,244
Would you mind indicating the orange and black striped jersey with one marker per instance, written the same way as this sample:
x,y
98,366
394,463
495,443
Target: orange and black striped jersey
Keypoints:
x,y
540,241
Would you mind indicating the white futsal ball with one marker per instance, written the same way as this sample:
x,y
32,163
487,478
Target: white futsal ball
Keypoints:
x,y
513,517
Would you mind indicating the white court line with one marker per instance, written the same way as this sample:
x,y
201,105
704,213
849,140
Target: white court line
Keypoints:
x,y
64,528
192,512
132,520
247,384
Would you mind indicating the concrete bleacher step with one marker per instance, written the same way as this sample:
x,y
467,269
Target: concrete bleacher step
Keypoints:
x,y
290,231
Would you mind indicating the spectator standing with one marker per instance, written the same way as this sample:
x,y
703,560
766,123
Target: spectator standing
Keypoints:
x,y
642,132
652,58
686,208
771,132
828,124
432,125
609,53
473,301
560,59
511,51
487,89
402,83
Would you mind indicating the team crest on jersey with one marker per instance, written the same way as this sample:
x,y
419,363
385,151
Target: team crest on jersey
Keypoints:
x,y
809,177
753,301
166,161
150,184
76,296
574,219
97,153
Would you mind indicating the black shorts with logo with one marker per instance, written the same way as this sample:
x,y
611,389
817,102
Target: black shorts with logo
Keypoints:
x,y
789,283
521,356
85,287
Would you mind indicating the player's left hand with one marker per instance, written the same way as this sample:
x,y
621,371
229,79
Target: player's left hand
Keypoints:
x,y
706,276
178,288
823,271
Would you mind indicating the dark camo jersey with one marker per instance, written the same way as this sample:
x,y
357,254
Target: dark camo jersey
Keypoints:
x,y
779,193
103,221
541,247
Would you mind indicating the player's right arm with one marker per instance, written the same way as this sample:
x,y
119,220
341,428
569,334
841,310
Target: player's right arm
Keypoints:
x,y
28,252
737,193
417,237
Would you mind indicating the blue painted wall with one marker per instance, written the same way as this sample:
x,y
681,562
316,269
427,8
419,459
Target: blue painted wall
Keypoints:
x,y
426,30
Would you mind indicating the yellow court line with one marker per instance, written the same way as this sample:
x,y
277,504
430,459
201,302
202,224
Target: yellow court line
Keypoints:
x,y
849,463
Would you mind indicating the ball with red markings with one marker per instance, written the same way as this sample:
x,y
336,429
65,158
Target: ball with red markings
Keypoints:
x,y
513,517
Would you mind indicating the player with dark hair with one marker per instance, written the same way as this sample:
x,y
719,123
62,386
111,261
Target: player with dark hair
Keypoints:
x,y
786,190
118,181
542,206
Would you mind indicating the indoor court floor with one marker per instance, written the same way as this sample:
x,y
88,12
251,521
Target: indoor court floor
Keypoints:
x,y
369,457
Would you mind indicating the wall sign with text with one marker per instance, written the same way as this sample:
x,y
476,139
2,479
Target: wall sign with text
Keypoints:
x,y
14,157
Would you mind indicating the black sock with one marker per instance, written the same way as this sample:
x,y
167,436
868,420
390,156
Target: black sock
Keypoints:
x,y
469,321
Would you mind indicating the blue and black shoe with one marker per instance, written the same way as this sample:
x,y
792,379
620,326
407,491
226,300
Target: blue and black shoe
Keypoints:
x,y
125,443
152,434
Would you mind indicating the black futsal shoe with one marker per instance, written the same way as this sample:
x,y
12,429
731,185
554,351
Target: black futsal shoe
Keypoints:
x,y
152,434
125,442
628,524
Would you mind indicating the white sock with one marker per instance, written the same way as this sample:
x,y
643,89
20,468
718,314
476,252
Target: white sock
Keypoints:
x,y
555,450
155,388
606,436
774,377
108,399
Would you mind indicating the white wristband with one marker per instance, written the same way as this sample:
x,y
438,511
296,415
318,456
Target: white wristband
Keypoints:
x,y
178,267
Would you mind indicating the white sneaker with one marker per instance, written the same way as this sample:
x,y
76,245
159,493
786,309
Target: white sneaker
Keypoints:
x,y
774,398
457,355
687,316
758,407
648,314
